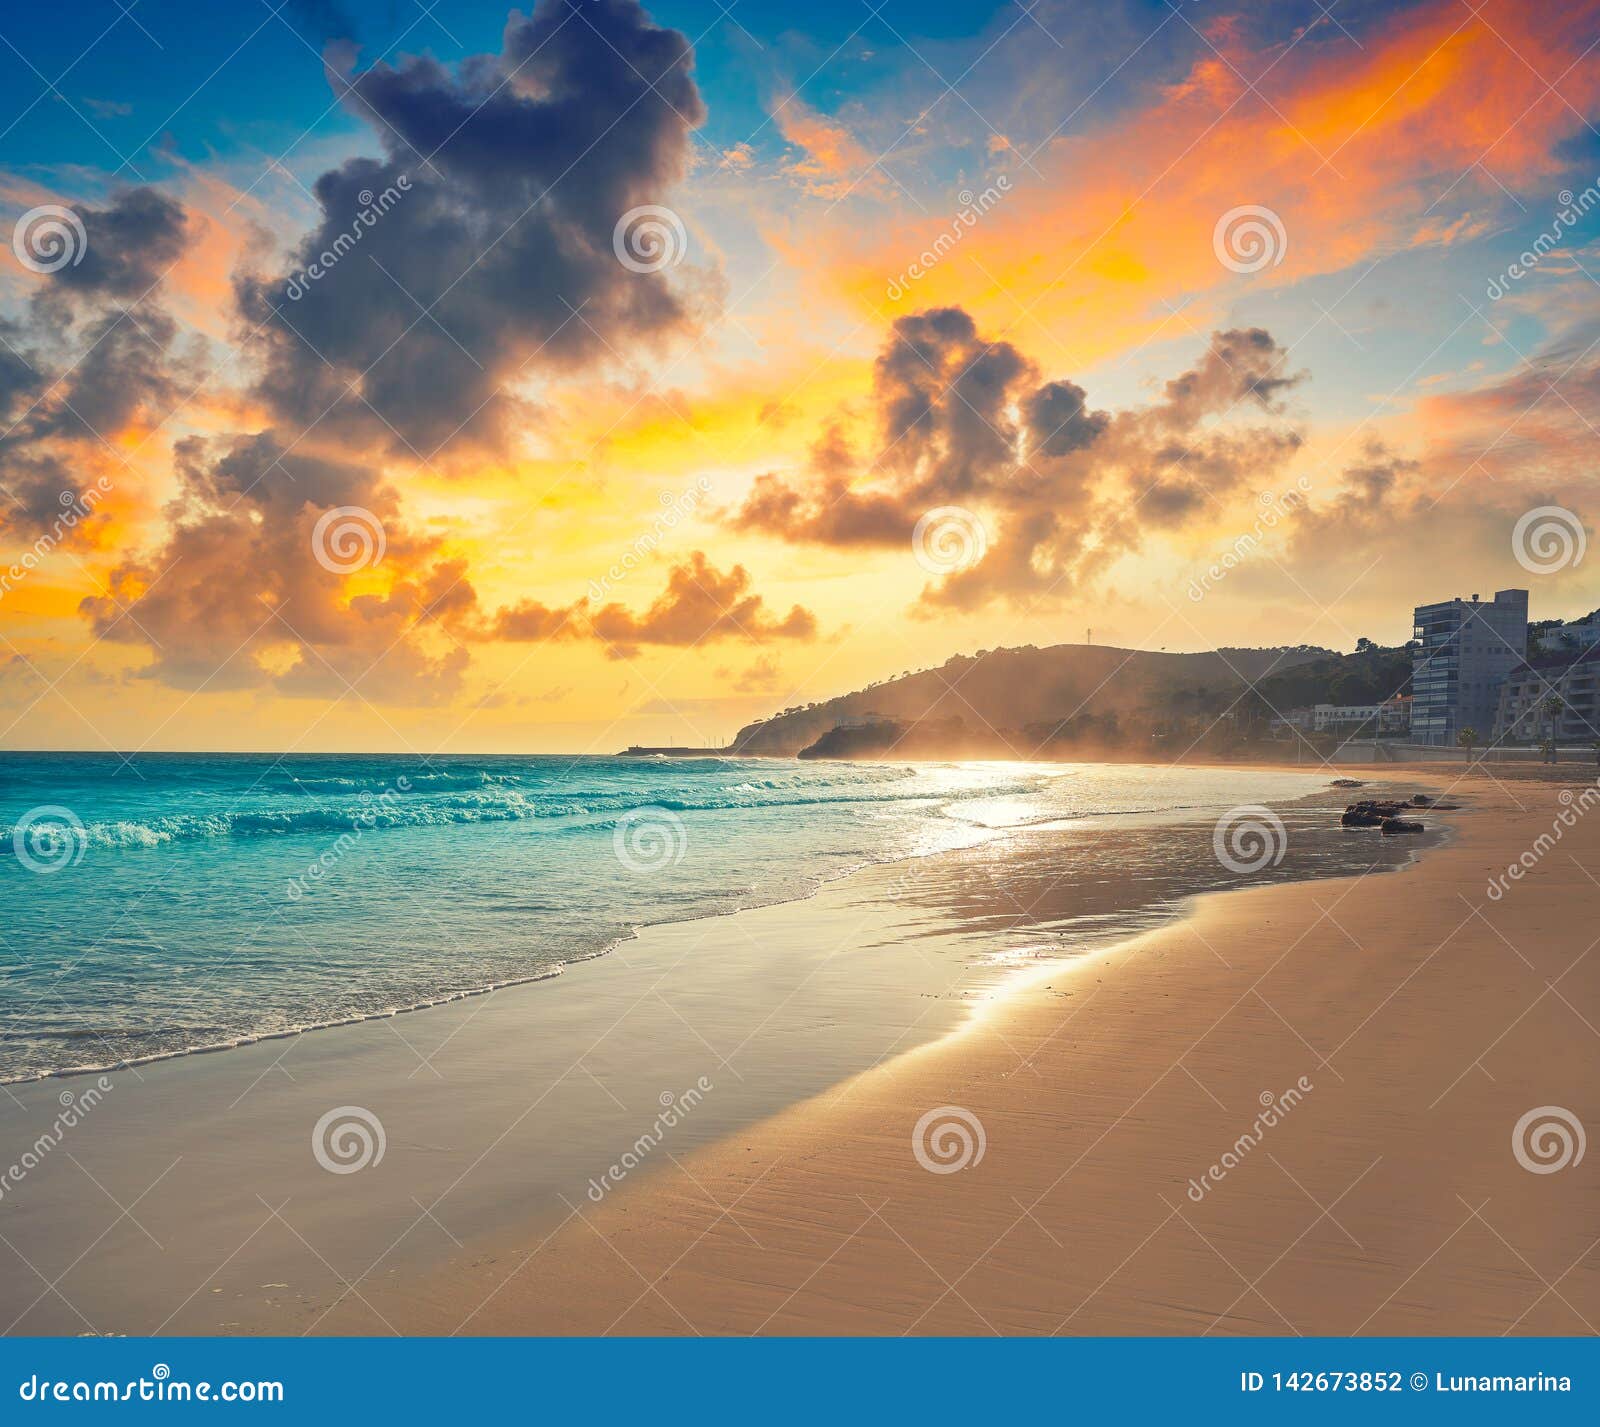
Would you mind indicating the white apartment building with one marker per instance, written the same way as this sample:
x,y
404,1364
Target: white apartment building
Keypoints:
x,y
1391,716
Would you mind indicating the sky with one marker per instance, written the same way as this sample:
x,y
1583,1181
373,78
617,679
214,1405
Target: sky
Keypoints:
x,y
449,379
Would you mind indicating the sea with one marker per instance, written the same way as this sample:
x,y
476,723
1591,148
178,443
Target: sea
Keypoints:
x,y
159,904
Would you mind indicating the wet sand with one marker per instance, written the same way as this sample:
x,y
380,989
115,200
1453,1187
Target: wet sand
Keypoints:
x,y
711,1130
1426,1018
496,1111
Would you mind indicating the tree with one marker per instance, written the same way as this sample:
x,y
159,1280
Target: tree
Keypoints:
x,y
1466,739
1595,744
1253,711
1552,709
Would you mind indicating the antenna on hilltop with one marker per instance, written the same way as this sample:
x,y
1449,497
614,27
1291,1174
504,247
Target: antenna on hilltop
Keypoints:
x,y
1088,636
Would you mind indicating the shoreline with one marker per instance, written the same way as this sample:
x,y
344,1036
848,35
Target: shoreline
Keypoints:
x,y
1395,1199
981,831
499,1110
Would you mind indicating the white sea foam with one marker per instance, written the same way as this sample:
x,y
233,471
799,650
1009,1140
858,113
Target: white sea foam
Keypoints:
x,y
418,881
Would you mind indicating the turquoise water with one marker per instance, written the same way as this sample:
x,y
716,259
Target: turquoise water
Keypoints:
x,y
170,902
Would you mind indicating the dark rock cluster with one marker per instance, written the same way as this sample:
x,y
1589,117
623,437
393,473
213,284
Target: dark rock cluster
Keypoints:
x,y
1382,814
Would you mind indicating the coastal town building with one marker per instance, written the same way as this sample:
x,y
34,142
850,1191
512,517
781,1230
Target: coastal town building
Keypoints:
x,y
1551,696
1571,637
1391,716
1394,714
1327,717
1465,650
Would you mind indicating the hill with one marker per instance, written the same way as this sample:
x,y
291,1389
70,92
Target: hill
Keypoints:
x,y
1029,697
1369,676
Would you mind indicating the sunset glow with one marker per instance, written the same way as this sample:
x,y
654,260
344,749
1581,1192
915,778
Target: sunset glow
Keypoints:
x,y
912,261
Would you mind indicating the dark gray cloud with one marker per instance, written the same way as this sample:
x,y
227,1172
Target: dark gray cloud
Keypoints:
x,y
126,373
129,245
477,250
1242,365
492,256
29,480
1061,489
1059,421
947,403
35,488
93,358
20,378
944,399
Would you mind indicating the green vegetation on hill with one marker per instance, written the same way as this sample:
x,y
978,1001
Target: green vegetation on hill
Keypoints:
x,y
1368,676
1083,701
1013,698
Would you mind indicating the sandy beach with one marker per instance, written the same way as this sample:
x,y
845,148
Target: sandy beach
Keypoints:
x,y
1425,1017
1282,1109
801,676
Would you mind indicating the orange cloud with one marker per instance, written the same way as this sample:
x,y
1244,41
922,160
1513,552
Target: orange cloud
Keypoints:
x,y
1347,148
1533,427
700,604
224,226
834,163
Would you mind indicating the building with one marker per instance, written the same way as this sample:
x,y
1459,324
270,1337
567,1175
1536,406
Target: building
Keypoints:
x,y
1393,715
1328,718
1465,649
1571,637
1525,714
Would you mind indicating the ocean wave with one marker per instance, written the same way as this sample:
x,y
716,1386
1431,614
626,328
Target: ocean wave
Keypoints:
x,y
160,831
146,1046
583,808
398,783
636,778
416,920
